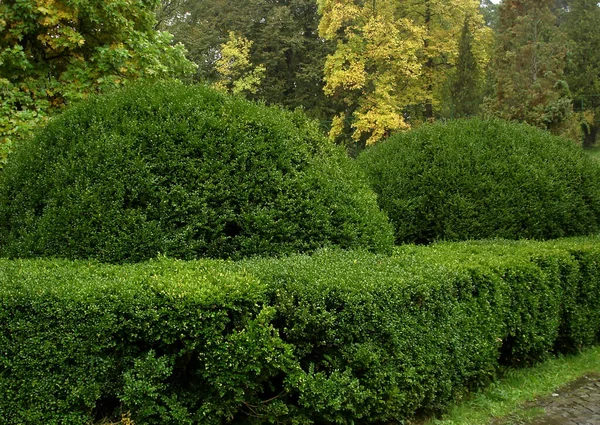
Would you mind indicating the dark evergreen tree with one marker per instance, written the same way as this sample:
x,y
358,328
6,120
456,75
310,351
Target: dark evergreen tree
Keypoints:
x,y
529,66
582,25
284,35
465,89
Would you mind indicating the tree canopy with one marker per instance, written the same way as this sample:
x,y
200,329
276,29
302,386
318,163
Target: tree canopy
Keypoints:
x,y
372,68
284,39
529,66
390,55
365,69
582,25
54,52
376,55
465,82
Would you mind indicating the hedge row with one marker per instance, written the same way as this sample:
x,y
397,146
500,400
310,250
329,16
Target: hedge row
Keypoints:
x,y
480,179
337,337
186,172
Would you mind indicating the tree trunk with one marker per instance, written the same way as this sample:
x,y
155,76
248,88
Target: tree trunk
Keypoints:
x,y
589,138
428,66
429,110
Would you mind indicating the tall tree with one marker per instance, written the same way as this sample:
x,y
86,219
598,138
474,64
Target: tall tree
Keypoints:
x,y
374,61
284,36
442,24
582,25
529,66
465,84
53,52
390,55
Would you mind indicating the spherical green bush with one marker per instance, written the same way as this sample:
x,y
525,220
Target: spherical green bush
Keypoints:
x,y
187,172
474,179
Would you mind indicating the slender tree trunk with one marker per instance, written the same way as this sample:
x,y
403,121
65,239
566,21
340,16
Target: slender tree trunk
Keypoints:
x,y
428,67
429,108
590,134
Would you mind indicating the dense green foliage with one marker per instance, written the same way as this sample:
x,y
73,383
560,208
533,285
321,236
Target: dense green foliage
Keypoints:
x,y
465,82
284,40
528,68
174,343
187,172
53,52
477,179
339,337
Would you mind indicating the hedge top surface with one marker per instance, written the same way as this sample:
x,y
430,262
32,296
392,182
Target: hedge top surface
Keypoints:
x,y
206,281
475,179
187,172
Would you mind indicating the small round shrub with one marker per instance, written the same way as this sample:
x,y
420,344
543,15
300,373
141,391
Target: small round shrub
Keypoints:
x,y
475,179
186,172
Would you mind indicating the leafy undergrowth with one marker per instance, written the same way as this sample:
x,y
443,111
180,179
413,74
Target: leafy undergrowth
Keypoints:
x,y
506,397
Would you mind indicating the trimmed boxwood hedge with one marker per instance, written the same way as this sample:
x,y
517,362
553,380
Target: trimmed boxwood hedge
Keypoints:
x,y
187,172
476,179
173,343
337,337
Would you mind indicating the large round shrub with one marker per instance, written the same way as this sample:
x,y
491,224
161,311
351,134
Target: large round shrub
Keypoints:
x,y
473,179
186,172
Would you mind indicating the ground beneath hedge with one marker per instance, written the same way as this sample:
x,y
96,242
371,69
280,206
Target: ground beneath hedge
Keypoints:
x,y
575,404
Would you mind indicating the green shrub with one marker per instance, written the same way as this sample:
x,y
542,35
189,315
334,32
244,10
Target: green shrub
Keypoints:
x,y
380,338
477,179
170,342
337,337
183,171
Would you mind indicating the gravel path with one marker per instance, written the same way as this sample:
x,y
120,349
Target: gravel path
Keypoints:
x,y
576,404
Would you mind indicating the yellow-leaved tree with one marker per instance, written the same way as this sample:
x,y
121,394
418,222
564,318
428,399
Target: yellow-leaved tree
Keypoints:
x,y
237,74
391,55
442,22
375,58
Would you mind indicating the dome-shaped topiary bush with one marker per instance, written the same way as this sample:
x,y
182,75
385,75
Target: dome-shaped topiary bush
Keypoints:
x,y
474,179
187,172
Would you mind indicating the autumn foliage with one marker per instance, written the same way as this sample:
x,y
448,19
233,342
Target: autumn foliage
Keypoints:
x,y
390,55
